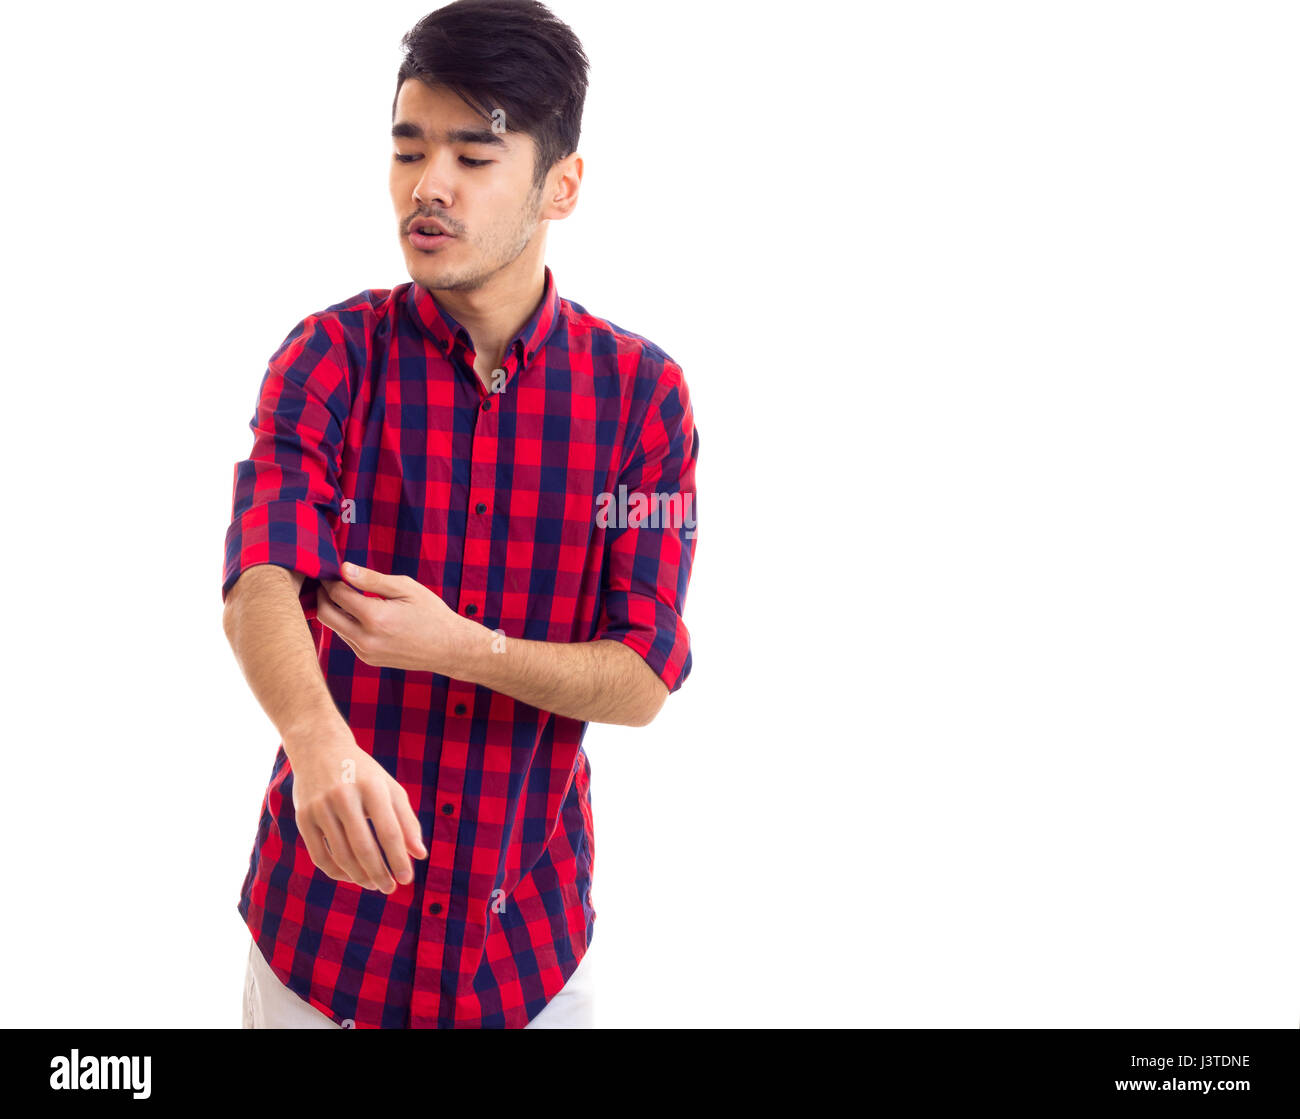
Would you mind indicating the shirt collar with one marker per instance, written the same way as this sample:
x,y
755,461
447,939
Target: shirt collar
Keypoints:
x,y
447,333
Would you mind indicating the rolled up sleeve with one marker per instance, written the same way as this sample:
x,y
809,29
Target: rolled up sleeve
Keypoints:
x,y
287,500
648,552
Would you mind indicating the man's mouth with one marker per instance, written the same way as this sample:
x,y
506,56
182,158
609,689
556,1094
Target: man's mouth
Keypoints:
x,y
427,235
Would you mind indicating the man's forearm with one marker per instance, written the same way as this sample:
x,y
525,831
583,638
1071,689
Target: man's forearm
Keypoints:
x,y
595,681
268,632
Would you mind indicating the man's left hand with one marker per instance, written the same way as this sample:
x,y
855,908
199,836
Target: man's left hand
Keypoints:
x,y
408,627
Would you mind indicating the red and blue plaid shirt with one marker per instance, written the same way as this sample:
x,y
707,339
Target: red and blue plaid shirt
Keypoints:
x,y
376,443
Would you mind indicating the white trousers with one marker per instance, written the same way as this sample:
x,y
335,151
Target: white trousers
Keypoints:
x,y
270,1005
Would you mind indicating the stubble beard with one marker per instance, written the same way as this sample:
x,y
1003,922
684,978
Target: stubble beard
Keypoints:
x,y
497,250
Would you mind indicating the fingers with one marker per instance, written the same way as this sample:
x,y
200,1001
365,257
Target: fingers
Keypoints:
x,y
366,579
408,822
337,833
340,620
344,597
391,839
317,848
365,850
341,849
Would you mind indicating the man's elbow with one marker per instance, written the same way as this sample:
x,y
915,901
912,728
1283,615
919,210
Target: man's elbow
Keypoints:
x,y
658,692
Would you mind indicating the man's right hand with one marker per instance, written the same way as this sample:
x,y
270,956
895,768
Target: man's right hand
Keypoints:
x,y
337,786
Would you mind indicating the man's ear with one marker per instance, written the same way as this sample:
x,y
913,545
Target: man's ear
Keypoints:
x,y
563,184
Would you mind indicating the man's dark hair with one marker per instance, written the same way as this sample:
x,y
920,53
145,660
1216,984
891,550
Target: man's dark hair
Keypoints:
x,y
512,55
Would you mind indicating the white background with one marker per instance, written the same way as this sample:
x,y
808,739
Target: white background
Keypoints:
x,y
988,314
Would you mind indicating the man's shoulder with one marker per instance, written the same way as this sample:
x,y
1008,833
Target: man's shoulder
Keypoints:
x,y
348,325
363,309
341,336
612,338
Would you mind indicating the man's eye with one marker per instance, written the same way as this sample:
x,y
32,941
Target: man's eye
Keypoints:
x,y
400,158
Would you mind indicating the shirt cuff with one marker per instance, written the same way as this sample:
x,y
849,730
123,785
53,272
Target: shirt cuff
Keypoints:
x,y
650,628
288,533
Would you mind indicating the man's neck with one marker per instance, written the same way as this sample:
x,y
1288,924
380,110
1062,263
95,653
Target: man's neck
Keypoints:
x,y
494,313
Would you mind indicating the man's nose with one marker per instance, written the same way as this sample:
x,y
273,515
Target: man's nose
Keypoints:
x,y
432,188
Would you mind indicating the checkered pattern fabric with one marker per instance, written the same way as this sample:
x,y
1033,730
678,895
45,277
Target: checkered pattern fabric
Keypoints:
x,y
556,503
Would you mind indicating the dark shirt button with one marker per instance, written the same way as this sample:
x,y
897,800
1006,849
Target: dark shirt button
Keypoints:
x,y
487,405
471,609
448,809
436,908
460,709
480,508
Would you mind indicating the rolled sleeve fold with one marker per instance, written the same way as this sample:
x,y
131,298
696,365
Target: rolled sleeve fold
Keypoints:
x,y
287,501
650,527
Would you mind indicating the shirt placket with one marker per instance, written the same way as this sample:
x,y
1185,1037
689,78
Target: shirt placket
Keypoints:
x,y
436,981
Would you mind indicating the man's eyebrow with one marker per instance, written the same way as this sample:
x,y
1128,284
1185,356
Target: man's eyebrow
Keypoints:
x,y
409,130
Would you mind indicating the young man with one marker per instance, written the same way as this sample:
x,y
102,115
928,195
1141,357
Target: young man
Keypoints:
x,y
514,481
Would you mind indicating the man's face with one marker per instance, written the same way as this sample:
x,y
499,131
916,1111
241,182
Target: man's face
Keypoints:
x,y
450,166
